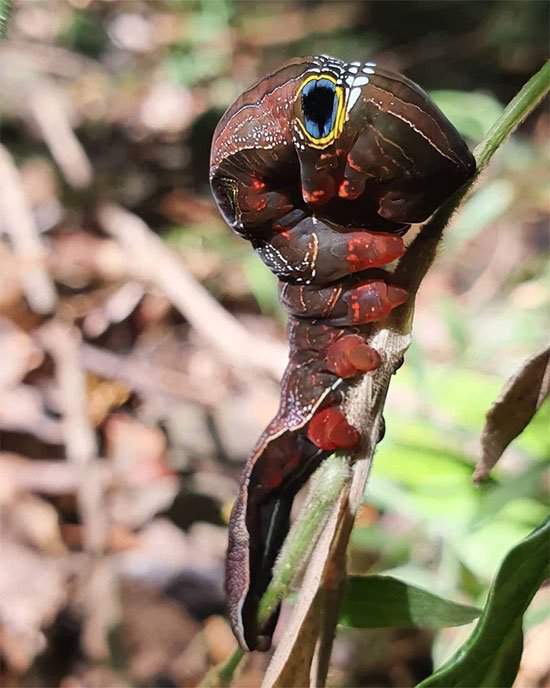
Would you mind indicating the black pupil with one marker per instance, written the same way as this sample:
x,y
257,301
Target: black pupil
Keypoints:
x,y
318,106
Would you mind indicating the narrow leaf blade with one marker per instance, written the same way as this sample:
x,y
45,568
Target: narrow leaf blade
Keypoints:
x,y
383,601
491,656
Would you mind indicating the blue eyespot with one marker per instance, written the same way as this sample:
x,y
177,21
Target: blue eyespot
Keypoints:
x,y
320,107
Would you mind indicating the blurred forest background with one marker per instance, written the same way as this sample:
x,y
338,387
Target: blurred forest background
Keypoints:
x,y
139,362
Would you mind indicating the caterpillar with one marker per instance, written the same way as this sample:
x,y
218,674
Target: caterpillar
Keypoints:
x,y
322,166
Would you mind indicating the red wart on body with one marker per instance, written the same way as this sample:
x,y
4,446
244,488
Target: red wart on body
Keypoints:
x,y
323,165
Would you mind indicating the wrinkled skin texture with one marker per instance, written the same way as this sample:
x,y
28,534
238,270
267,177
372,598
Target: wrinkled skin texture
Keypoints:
x,y
322,166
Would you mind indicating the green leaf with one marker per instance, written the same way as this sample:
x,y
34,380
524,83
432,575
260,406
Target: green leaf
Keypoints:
x,y
484,207
482,550
491,656
463,394
383,601
471,113
516,488
263,286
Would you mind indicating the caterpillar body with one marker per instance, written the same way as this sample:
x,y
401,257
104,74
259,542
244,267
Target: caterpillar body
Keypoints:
x,y
323,166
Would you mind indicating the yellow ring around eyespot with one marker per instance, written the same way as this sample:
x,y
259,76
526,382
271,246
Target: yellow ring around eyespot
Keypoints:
x,y
336,130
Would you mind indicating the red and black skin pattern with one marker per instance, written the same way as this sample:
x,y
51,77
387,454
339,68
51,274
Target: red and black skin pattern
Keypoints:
x,y
324,199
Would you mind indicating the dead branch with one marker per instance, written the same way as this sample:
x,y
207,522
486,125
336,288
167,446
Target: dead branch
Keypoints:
x,y
20,474
17,55
63,343
22,410
152,260
51,112
143,377
17,220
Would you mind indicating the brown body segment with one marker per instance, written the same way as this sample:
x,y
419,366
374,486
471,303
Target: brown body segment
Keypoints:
x,y
322,166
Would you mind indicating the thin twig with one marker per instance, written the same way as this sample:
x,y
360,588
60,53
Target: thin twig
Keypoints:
x,y
24,56
51,111
63,343
51,477
17,220
98,583
22,410
152,260
144,377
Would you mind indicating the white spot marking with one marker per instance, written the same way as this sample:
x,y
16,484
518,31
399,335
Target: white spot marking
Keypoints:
x,y
353,96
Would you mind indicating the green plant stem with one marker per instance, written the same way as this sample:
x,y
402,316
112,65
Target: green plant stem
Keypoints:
x,y
230,666
421,253
410,273
221,675
326,484
516,111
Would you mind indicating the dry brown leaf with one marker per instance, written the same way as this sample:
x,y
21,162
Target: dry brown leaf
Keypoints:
x,y
137,452
36,523
521,397
133,507
145,484
103,396
77,257
161,552
156,631
28,602
116,307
